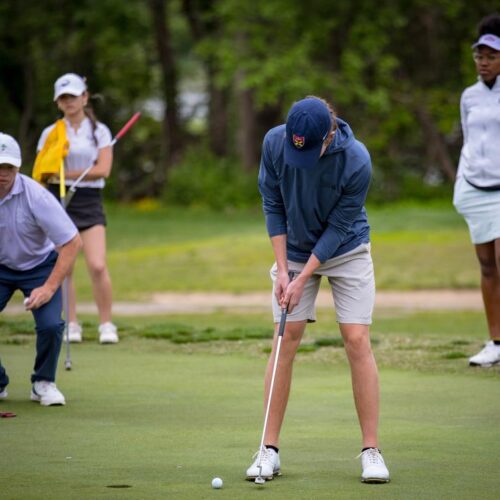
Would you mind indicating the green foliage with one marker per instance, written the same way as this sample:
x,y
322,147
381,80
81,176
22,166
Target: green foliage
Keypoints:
x,y
395,183
203,180
382,64
276,63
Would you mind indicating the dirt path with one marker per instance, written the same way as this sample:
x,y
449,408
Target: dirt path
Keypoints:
x,y
200,302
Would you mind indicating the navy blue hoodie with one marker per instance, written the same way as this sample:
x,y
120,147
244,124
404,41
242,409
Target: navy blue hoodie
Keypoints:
x,y
321,210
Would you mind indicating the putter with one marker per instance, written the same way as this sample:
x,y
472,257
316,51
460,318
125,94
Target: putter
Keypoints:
x,y
65,291
64,286
281,330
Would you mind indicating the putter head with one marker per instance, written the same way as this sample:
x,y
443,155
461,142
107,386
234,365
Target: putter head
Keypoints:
x,y
67,365
259,479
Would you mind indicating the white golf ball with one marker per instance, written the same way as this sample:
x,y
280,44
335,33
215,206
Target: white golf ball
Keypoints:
x,y
217,483
26,300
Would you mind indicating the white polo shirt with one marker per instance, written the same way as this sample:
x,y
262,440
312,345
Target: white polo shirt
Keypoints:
x,y
480,114
83,150
32,223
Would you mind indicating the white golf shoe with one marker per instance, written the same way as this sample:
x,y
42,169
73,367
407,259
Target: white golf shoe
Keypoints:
x,y
488,356
373,467
269,462
74,332
3,393
108,333
46,393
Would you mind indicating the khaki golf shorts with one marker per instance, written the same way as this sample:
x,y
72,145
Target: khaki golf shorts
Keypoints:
x,y
352,282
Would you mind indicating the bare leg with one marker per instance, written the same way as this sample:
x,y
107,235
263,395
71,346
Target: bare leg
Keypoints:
x,y
289,344
364,376
94,249
488,255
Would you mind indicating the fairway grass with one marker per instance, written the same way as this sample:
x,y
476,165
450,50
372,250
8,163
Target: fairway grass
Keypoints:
x,y
149,419
413,247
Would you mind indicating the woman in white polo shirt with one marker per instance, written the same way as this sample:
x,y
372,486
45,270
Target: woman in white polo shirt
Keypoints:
x,y
89,144
477,188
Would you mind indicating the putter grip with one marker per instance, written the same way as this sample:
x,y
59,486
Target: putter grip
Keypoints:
x,y
281,329
284,312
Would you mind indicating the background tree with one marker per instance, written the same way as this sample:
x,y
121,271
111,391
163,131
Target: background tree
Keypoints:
x,y
205,25
394,71
172,137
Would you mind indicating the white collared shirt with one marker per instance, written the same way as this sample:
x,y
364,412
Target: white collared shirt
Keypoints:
x,y
32,223
83,150
480,115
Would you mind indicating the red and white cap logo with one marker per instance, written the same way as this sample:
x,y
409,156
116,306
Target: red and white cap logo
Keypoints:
x,y
298,141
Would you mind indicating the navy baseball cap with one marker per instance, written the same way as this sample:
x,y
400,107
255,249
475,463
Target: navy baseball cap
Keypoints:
x,y
307,126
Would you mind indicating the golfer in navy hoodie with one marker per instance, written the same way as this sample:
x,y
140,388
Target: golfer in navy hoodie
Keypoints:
x,y
314,178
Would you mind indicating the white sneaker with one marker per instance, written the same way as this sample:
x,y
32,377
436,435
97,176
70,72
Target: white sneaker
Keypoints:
x,y
47,393
3,393
488,356
74,332
270,463
108,333
373,467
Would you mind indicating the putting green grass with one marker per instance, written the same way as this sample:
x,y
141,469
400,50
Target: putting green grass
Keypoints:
x,y
152,419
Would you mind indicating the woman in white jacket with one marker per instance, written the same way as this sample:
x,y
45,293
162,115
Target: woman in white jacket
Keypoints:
x,y
477,188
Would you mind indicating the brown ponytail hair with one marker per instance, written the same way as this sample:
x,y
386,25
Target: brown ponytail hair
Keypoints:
x,y
333,115
90,114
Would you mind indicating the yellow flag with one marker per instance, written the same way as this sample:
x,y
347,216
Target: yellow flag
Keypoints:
x,y
49,160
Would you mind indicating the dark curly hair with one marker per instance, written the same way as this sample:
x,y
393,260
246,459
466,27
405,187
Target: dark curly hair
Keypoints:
x,y
489,25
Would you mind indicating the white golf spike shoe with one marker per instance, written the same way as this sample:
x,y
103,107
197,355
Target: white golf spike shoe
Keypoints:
x,y
373,467
74,332
108,333
47,394
266,466
489,355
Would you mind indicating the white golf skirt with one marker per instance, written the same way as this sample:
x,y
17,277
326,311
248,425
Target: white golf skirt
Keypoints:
x,y
480,209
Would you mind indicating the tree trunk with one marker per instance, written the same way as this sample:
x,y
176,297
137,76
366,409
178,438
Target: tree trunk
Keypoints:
x,y
217,116
172,140
218,97
27,110
247,138
434,142
435,145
